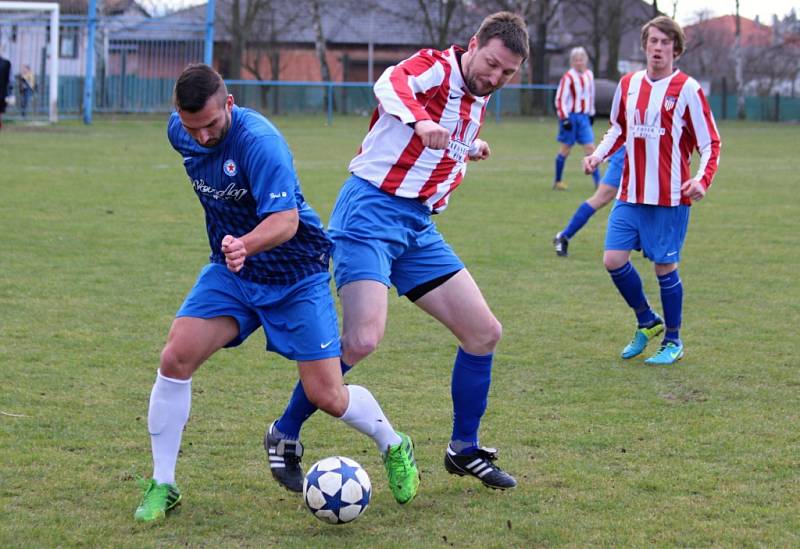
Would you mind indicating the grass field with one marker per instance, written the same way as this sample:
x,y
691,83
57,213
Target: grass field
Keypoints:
x,y
102,237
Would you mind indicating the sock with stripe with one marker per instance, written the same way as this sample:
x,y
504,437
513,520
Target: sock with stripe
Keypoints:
x,y
560,161
579,219
672,302
298,410
469,388
170,402
629,284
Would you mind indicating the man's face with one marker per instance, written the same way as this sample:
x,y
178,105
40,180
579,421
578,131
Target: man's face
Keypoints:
x,y
579,62
209,125
659,50
490,67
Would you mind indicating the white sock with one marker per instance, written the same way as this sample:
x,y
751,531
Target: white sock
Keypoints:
x,y
170,401
364,414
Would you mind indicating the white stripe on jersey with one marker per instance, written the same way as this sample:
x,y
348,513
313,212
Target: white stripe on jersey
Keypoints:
x,y
426,86
575,93
653,120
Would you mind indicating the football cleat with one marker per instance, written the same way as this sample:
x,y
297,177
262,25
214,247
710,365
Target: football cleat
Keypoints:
x,y
156,501
401,468
561,244
480,465
559,186
284,458
641,338
669,353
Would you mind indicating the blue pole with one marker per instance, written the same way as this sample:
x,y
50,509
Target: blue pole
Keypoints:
x,y
330,104
497,106
88,83
208,54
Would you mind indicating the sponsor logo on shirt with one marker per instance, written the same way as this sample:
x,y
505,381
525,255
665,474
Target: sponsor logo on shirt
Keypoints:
x,y
230,168
231,192
647,125
281,194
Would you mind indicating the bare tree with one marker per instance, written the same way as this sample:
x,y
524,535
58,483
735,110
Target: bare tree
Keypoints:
x,y
740,112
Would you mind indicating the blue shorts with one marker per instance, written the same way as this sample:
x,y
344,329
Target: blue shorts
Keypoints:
x,y
378,236
581,131
613,175
299,321
659,231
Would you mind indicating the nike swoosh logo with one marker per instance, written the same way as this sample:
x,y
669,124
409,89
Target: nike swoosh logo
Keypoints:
x,y
454,96
671,253
325,345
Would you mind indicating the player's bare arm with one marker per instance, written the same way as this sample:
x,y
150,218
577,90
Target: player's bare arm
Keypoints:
x,y
693,189
273,231
432,134
479,150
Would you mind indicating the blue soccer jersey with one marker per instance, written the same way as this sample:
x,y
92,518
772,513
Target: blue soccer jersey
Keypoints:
x,y
247,176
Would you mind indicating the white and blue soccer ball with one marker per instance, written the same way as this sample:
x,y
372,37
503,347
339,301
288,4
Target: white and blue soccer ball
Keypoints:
x,y
337,490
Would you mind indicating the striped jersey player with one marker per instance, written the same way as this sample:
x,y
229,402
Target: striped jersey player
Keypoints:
x,y
575,109
415,154
661,116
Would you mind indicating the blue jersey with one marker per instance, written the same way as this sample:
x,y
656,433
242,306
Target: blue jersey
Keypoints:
x,y
247,176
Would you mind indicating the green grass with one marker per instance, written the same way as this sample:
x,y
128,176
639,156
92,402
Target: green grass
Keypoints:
x,y
102,237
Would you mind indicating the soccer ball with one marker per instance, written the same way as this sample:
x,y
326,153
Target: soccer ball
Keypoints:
x,y
336,490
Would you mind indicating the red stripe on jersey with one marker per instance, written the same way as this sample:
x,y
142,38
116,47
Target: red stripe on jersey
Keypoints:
x,y
665,143
400,168
713,160
559,95
465,111
443,201
440,173
622,120
686,146
414,66
640,144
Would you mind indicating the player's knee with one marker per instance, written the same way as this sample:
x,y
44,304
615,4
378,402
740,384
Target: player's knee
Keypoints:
x,y
485,340
358,346
174,365
612,262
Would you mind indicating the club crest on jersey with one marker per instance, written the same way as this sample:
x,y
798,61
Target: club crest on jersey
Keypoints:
x,y
669,102
230,168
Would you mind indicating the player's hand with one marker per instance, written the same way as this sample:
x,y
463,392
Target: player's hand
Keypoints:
x,y
235,253
479,150
590,163
566,124
693,189
432,134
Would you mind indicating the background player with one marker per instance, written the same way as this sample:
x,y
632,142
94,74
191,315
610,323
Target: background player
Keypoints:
x,y
268,267
605,193
660,115
575,110
425,129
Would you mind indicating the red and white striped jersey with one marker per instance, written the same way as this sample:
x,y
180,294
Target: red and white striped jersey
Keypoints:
x,y
426,86
575,93
661,124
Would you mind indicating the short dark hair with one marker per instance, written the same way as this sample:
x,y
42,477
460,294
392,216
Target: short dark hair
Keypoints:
x,y
510,28
668,26
196,85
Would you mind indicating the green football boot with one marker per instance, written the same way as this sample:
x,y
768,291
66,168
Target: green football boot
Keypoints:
x,y
669,353
401,468
641,337
156,501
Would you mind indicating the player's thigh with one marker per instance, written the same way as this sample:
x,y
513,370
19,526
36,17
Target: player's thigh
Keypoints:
x,y
299,321
460,305
364,308
191,341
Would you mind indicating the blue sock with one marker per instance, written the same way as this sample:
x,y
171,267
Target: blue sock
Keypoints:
x,y
672,302
299,410
629,285
560,160
596,176
579,219
472,375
